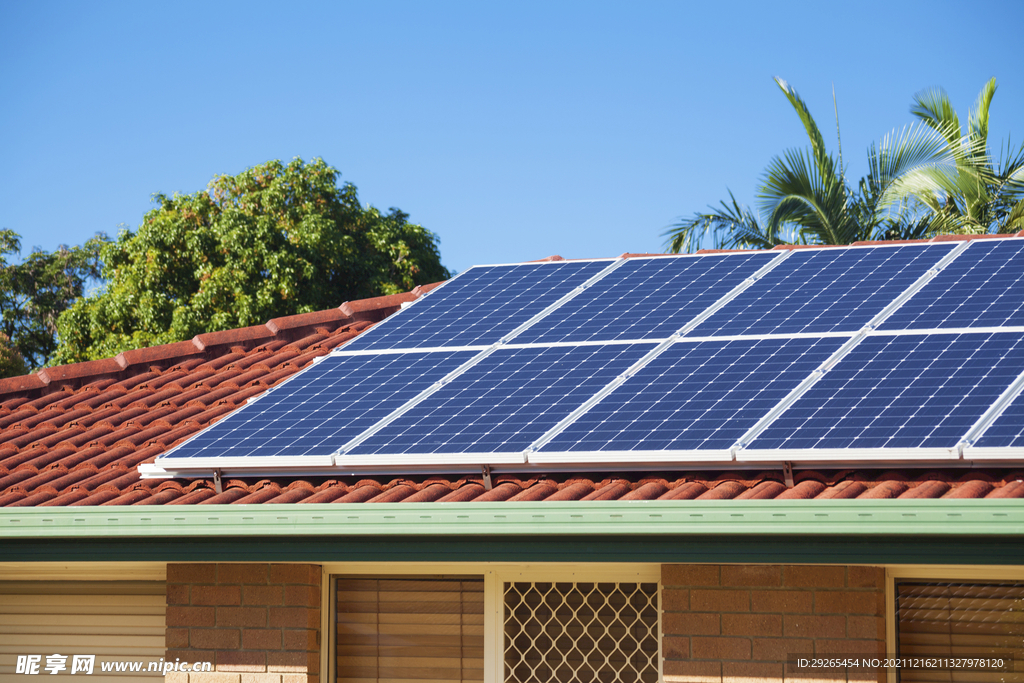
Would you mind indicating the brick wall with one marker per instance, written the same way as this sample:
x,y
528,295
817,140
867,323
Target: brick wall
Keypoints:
x,y
739,622
257,623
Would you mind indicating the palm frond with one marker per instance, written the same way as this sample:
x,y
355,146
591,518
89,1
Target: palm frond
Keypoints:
x,y
733,226
821,155
977,117
934,108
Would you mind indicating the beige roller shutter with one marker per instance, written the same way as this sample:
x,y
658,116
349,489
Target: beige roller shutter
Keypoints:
x,y
117,621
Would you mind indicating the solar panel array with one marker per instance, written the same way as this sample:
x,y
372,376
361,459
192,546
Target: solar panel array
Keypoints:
x,y
881,352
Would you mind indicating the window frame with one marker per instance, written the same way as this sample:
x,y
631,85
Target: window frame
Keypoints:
x,y
495,575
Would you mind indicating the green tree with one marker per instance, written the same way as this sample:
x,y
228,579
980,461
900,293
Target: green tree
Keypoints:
x,y
274,240
805,198
34,293
973,195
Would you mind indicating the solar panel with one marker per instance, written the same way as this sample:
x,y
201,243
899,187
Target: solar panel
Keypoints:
x,y
480,306
1007,431
504,402
696,396
982,287
646,298
824,290
322,408
902,391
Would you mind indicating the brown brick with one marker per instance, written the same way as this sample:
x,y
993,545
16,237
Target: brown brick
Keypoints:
x,y
705,600
870,628
778,649
263,595
179,615
253,617
752,672
844,647
806,626
302,596
243,573
865,577
302,639
214,638
184,655
308,574
691,624
176,637
294,617
693,672
814,576
786,602
675,647
216,595
751,575
177,593
236,660
720,648
293,662
675,599
689,574
264,678
261,639
191,573
849,602
752,624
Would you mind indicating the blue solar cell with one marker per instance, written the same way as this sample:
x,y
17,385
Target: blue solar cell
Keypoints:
x,y
506,401
479,307
696,396
980,288
824,290
907,391
322,408
646,298
1007,431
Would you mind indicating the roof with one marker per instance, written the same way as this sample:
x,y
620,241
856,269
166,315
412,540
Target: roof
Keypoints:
x,y
74,435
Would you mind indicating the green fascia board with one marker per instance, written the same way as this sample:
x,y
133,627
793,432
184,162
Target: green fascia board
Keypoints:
x,y
877,518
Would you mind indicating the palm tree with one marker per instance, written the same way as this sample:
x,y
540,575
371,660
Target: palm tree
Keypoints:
x,y
973,195
805,199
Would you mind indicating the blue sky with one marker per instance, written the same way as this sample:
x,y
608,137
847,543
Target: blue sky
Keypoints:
x,y
512,130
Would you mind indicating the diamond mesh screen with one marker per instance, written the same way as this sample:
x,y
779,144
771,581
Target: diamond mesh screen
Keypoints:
x,y
581,632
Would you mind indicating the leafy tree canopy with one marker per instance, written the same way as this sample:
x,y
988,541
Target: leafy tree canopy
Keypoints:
x,y
34,293
275,240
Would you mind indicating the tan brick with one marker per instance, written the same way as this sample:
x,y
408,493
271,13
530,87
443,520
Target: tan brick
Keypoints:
x,y
865,577
304,639
253,617
710,600
871,628
262,678
293,662
261,639
675,647
814,576
191,573
675,599
178,615
692,672
216,595
215,677
176,677
689,574
778,649
691,624
177,593
302,596
245,662
720,648
308,574
807,626
299,678
176,637
214,638
751,575
294,617
243,573
786,602
264,595
849,602
752,624
752,672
